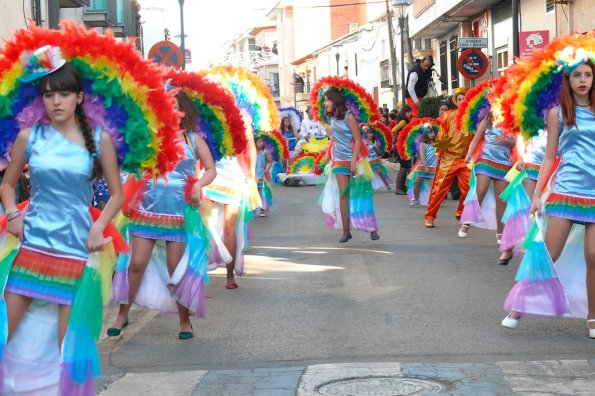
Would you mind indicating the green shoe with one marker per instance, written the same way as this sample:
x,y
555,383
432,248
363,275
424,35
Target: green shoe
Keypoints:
x,y
115,331
186,335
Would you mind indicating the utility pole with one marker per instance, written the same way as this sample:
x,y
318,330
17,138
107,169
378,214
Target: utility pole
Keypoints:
x,y
393,55
182,43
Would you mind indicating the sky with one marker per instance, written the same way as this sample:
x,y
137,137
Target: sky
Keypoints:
x,y
208,24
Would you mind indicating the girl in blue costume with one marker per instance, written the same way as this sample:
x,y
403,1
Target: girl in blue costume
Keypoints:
x,y
264,161
425,168
290,134
569,206
160,217
346,149
493,164
381,174
57,233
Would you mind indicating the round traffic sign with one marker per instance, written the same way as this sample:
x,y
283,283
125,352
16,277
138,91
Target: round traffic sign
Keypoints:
x,y
473,63
166,53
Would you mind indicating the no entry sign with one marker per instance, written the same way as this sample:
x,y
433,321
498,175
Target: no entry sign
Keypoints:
x,y
166,53
473,63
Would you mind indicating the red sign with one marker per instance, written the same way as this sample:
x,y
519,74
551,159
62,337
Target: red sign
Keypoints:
x,y
166,53
531,41
473,63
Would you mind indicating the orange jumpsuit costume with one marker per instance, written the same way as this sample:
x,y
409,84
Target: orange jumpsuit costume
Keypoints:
x,y
452,148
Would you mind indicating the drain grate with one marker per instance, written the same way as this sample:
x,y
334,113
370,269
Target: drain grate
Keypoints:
x,y
380,386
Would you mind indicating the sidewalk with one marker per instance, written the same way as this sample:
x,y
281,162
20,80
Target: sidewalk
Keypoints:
x,y
566,377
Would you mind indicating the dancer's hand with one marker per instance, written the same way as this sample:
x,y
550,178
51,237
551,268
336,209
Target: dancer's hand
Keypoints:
x,y
16,227
536,205
353,167
520,165
195,196
468,157
95,240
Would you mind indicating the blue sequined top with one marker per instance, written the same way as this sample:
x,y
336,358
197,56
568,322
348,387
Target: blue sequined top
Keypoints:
x,y
169,199
342,137
493,150
372,149
431,158
58,219
261,164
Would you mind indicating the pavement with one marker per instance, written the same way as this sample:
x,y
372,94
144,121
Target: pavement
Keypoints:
x,y
417,312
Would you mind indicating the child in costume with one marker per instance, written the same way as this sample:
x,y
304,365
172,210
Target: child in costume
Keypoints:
x,y
451,147
162,216
57,232
345,153
493,164
264,162
557,275
380,172
423,170
290,134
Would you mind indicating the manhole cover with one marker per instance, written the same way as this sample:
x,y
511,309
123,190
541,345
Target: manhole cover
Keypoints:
x,y
380,386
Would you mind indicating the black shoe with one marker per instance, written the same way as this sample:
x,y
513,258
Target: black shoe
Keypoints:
x,y
345,238
458,218
374,236
505,261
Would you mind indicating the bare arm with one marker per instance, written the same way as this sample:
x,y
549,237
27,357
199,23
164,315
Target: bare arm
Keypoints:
x,y
111,172
206,159
357,138
269,163
476,139
422,155
551,152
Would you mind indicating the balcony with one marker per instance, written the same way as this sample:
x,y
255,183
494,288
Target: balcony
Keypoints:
x,y
96,14
74,3
251,60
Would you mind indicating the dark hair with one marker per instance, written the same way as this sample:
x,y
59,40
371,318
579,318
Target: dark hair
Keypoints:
x,y
567,103
68,79
402,113
392,115
339,108
282,127
444,103
190,119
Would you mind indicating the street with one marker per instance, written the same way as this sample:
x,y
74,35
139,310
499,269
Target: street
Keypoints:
x,y
419,303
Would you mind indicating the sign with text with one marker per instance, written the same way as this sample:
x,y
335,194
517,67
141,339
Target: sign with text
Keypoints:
x,y
531,41
472,42
473,63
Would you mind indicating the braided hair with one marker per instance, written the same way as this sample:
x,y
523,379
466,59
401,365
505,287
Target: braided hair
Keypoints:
x,y
68,79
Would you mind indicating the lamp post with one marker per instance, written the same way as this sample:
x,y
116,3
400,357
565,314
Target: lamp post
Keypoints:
x,y
182,43
337,56
402,4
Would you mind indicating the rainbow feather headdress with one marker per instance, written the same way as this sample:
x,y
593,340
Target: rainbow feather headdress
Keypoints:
x,y
474,108
219,121
357,100
540,88
382,133
320,162
410,136
276,144
251,95
295,116
124,94
303,162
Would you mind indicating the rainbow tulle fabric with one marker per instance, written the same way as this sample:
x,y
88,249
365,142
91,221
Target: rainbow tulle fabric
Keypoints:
x,y
474,108
358,101
220,123
251,95
516,215
124,94
276,144
383,135
302,163
410,136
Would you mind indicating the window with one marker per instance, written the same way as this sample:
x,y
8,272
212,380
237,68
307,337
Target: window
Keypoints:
x,y
251,44
97,6
385,74
443,66
120,5
428,43
454,64
502,59
550,6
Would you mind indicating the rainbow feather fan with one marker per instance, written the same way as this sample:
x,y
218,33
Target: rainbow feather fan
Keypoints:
x,y
382,133
295,116
302,163
474,108
220,123
276,144
320,162
251,95
540,89
124,95
410,136
358,101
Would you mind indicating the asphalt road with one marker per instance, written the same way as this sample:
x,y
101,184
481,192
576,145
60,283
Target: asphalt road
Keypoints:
x,y
416,295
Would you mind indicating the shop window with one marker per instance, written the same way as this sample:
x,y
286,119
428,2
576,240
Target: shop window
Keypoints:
x,y
454,66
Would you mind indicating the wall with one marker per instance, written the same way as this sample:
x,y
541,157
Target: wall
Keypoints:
x,y
576,17
12,18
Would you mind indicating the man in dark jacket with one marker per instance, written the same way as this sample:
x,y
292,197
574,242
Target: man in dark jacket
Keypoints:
x,y
418,81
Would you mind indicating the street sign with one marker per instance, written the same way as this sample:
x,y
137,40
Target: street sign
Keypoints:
x,y
531,41
166,53
472,42
188,55
472,63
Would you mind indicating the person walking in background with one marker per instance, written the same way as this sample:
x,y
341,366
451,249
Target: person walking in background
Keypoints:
x,y
403,118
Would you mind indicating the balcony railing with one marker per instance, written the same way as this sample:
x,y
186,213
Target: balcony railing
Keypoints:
x,y
251,59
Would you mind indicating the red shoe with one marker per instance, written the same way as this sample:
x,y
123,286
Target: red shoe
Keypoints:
x,y
232,285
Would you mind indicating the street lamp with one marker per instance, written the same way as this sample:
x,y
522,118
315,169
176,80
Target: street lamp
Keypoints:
x,y
337,56
402,4
182,43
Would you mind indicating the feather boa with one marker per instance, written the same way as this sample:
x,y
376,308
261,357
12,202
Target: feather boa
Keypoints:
x,y
276,144
358,101
382,133
320,162
220,123
303,162
251,95
474,108
124,95
410,137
